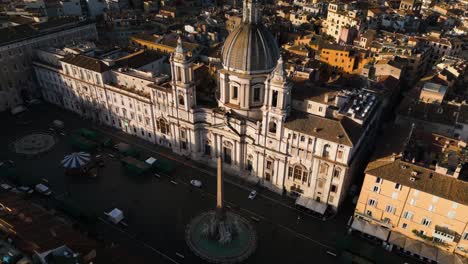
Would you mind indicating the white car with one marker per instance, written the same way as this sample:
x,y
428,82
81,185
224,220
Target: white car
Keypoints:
x,y
42,189
5,186
196,183
252,194
25,189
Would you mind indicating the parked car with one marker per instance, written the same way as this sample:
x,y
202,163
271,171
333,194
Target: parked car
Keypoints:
x,y
25,189
196,183
252,194
42,189
5,186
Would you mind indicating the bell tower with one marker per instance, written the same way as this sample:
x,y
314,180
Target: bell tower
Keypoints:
x,y
277,100
182,78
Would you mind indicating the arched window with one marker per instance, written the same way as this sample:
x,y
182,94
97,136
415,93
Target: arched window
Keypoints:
x,y
326,151
274,99
272,127
162,126
299,172
181,100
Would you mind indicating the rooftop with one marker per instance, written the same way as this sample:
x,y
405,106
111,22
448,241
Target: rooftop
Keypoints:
x,y
406,152
86,62
444,113
343,131
26,31
426,180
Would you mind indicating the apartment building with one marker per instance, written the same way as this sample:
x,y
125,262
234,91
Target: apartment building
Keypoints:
x,y
17,45
414,195
443,47
344,58
413,51
340,21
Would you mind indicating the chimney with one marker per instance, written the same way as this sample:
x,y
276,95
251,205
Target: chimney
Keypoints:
x,y
325,99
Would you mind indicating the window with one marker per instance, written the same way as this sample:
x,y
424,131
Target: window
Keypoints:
x,y
395,195
465,236
256,93
372,202
369,213
162,126
404,226
297,173
274,99
326,151
324,168
426,222
290,172
376,189
269,164
336,173
234,92
397,186
181,100
390,209
302,138
408,215
310,141
272,127
451,214
333,188
378,180
340,154
431,208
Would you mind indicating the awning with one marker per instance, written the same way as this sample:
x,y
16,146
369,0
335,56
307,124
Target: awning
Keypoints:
x,y
444,257
311,204
370,229
428,252
397,239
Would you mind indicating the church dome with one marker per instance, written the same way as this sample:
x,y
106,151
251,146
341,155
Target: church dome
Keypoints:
x,y
250,48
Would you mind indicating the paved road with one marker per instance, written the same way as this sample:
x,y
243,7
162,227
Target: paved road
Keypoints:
x,y
157,210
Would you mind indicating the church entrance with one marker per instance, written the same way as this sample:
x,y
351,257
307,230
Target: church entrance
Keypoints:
x,y
227,155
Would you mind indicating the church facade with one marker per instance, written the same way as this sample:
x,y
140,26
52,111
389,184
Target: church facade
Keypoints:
x,y
304,147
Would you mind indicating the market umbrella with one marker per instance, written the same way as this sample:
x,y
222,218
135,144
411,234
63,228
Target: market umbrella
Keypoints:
x,y
75,160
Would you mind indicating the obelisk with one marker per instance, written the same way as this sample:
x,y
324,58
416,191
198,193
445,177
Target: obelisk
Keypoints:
x,y
220,191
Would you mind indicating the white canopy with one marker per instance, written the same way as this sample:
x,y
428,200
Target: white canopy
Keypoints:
x,y
116,215
311,204
151,160
370,229
75,160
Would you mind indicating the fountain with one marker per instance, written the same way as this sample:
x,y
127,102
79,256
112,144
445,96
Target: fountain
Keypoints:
x,y
220,236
